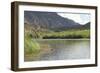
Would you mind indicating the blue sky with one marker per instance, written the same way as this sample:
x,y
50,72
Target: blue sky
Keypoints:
x,y
77,17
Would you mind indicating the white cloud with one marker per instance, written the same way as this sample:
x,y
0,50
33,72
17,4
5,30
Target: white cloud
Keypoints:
x,y
76,17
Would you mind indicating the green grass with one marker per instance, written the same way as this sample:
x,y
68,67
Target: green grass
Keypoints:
x,y
31,46
68,34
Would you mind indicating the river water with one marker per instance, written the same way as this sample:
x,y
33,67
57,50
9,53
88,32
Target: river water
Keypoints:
x,y
65,49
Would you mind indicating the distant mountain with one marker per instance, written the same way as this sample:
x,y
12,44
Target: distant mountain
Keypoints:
x,y
51,21
87,25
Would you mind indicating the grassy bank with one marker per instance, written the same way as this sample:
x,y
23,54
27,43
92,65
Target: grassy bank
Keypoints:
x,y
31,46
72,34
34,49
68,34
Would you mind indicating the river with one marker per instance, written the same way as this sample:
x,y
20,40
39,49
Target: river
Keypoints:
x,y
65,49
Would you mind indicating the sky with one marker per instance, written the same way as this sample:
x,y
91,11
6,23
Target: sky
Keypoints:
x,y
77,17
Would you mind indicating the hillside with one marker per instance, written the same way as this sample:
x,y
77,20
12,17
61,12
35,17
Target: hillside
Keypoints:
x,y
51,21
